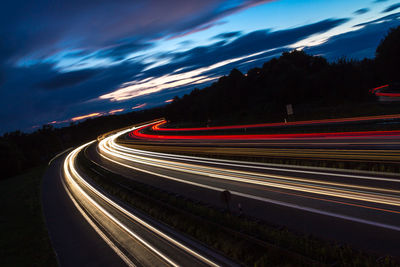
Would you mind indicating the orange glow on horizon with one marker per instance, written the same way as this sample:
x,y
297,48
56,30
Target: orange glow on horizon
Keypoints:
x,y
139,106
169,100
96,114
116,111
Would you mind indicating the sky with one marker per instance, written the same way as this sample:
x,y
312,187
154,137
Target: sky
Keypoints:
x,y
65,61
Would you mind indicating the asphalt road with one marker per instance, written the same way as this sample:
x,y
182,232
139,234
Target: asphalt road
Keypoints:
x,y
362,210
75,242
88,227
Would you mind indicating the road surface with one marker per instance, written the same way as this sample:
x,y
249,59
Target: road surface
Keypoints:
x,y
360,209
90,227
97,229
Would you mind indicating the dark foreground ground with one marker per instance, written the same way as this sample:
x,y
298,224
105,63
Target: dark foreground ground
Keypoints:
x,y
24,240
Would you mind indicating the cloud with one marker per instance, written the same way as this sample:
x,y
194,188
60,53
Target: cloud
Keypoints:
x,y
38,94
68,79
357,44
247,44
361,11
40,48
196,66
380,1
389,18
227,35
391,8
112,28
119,52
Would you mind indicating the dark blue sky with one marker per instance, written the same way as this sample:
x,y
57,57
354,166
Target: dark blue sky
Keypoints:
x,y
61,60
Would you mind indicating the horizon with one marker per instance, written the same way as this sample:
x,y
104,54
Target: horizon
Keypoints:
x,y
75,67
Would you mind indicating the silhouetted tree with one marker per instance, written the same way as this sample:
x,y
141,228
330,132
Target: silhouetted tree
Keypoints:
x,y
388,56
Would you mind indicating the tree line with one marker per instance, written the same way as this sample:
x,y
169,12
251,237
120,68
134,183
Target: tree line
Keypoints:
x,y
21,151
260,95
296,78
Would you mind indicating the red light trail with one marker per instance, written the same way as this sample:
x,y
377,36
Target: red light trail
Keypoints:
x,y
156,127
332,135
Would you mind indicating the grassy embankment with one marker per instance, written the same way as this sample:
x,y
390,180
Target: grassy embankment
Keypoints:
x,y
246,240
24,239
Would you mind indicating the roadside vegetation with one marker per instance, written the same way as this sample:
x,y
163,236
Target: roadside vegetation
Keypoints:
x,y
24,239
246,240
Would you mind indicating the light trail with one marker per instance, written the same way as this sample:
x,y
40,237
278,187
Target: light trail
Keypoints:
x,y
137,133
377,92
366,155
157,127
263,199
97,229
361,193
328,193
243,164
74,179
378,88
388,94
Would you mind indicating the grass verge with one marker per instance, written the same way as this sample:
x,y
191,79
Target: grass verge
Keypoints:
x,y
24,239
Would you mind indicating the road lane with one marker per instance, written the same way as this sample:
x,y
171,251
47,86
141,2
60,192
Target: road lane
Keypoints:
x,y
138,239
360,209
161,126
353,215
75,242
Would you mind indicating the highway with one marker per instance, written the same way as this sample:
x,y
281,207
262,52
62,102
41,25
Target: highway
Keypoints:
x,y
74,241
135,237
358,208
161,126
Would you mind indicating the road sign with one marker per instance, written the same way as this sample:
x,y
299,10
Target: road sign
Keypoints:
x,y
289,109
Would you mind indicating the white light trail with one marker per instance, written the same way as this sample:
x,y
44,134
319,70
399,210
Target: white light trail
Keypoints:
x,y
70,172
355,192
263,199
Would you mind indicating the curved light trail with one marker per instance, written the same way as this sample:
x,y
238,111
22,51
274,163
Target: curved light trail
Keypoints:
x,y
349,193
369,199
159,126
138,133
378,92
82,192
363,193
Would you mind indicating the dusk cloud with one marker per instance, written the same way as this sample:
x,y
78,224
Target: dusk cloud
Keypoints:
x,y
361,11
357,44
37,30
66,59
206,59
391,8
227,35
72,78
